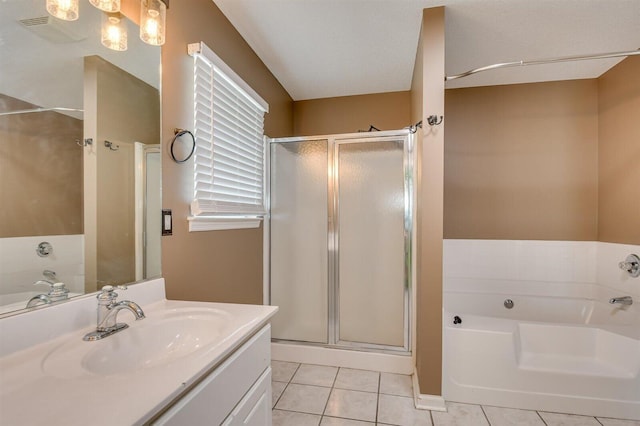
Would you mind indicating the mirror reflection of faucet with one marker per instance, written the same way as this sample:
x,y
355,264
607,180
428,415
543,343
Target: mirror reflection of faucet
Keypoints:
x,y
57,291
108,310
624,300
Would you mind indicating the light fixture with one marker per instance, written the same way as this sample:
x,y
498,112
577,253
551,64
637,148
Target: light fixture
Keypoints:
x,y
63,9
152,21
114,31
107,5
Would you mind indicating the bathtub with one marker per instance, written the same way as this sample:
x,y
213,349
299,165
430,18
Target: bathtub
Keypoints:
x,y
552,351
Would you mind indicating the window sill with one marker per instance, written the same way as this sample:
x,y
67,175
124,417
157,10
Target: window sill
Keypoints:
x,y
219,223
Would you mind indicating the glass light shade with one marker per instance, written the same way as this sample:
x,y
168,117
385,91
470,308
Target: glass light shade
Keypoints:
x,y
152,21
107,5
63,9
114,31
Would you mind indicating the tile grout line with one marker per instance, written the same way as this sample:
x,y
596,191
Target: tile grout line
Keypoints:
x,y
285,387
541,418
353,390
378,394
290,381
378,397
485,415
273,407
326,404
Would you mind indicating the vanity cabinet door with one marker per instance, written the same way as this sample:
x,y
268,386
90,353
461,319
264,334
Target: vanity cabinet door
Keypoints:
x,y
211,402
255,407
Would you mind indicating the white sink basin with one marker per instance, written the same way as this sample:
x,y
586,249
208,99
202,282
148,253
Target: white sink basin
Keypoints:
x,y
156,360
156,341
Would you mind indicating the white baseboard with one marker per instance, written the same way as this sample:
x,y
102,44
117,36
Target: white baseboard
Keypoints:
x,y
399,364
424,401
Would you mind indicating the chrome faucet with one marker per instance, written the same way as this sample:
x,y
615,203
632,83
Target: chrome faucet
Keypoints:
x,y
57,291
39,299
108,309
626,300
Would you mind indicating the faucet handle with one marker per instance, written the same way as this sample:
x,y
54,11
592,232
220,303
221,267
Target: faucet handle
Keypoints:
x,y
108,292
44,282
631,265
110,288
58,289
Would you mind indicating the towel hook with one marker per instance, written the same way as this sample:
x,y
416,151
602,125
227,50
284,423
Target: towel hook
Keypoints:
x,y
434,120
112,146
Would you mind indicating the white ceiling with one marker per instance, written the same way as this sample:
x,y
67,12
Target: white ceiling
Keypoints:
x,y
326,48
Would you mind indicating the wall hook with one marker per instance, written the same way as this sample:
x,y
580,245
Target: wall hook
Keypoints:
x,y
85,142
371,129
434,120
414,127
112,146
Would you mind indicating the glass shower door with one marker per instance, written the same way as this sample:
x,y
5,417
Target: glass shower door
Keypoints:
x,y
299,258
340,235
371,214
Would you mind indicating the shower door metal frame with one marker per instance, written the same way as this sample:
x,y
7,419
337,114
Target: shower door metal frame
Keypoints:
x,y
406,137
334,234
148,149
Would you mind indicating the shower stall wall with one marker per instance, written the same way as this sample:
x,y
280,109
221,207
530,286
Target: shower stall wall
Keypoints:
x,y
341,210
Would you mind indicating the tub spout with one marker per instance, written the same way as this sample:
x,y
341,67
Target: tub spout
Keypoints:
x,y
625,300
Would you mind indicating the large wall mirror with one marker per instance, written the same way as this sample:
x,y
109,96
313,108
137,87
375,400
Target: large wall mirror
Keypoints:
x,y
79,156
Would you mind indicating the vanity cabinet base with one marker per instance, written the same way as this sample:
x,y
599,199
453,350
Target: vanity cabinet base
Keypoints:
x,y
238,392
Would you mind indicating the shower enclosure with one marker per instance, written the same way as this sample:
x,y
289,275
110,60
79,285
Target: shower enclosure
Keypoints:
x,y
340,240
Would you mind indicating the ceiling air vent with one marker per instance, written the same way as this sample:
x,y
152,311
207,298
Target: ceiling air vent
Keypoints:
x,y
52,29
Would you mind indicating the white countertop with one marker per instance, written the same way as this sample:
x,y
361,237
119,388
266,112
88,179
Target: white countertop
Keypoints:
x,y
32,394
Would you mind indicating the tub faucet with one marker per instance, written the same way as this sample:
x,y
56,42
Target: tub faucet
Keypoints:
x,y
108,310
625,300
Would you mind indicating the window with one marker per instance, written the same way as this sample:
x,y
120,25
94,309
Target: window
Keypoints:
x,y
229,154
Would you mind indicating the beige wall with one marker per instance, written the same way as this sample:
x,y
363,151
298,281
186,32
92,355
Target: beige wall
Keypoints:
x,y
122,110
349,114
417,83
131,9
216,265
619,153
40,172
521,161
128,112
427,98
227,265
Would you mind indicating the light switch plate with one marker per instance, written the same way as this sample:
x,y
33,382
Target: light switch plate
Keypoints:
x,y
167,222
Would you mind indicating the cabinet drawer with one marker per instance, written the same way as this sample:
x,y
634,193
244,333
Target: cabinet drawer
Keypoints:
x,y
213,399
255,407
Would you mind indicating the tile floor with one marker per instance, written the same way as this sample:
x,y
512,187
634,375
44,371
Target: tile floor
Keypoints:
x,y
315,395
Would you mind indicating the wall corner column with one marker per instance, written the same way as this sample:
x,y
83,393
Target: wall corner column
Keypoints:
x,y
430,64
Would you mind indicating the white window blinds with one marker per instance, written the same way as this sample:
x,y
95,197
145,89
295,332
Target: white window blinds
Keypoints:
x,y
229,133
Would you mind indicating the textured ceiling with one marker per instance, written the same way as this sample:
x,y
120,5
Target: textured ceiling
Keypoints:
x,y
326,48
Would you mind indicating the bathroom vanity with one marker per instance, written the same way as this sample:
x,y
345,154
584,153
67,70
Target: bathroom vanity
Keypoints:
x,y
185,363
